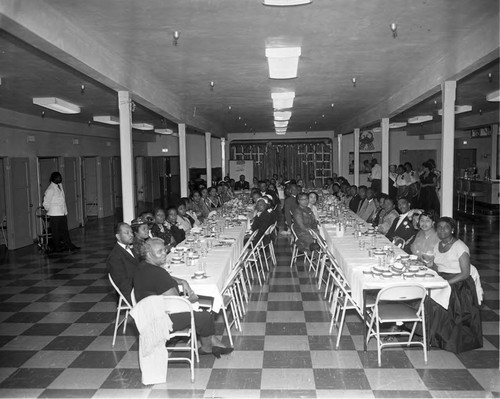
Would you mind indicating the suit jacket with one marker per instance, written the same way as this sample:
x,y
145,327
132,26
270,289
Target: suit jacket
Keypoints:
x,y
121,266
289,205
354,203
275,197
405,230
367,209
239,185
261,223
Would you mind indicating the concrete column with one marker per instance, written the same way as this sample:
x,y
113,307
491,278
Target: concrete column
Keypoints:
x,y
183,160
448,91
340,154
126,155
384,162
356,156
208,157
223,156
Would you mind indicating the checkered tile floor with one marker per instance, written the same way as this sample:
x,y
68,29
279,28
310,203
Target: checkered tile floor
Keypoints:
x,y
56,326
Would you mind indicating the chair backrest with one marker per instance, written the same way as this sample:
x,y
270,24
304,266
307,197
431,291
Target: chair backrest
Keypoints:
x,y
248,243
292,228
321,242
177,304
402,292
233,276
132,297
118,290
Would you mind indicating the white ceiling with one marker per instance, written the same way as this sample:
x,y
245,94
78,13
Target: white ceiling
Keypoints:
x,y
224,41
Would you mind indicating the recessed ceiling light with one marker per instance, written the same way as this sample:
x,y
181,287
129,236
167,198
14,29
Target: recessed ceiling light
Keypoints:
x,y
420,119
142,126
286,3
283,62
108,119
164,131
280,123
494,96
56,104
282,115
283,100
459,109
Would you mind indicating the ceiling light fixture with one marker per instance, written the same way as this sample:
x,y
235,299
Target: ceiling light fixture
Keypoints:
x,y
212,85
164,131
82,89
283,100
332,105
397,125
143,126
56,104
176,36
280,124
282,115
353,82
286,3
107,119
494,96
459,109
283,62
420,119
394,29
490,77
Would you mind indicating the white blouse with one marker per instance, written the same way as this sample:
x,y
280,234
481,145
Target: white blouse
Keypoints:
x,y
447,262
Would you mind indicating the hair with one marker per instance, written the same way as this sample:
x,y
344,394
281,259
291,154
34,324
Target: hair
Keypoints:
x,y
354,186
388,197
430,213
262,182
363,187
194,192
147,247
54,176
118,227
169,208
409,163
374,160
451,222
427,165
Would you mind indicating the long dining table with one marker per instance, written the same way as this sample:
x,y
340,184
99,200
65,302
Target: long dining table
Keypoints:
x,y
218,261
356,264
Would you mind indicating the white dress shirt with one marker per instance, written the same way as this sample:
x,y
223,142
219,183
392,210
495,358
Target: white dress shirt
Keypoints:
x,y
127,248
376,172
54,201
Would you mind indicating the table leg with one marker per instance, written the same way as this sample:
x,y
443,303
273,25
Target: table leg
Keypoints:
x,y
365,318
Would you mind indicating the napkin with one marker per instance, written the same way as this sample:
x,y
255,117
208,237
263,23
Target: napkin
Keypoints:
x,y
242,217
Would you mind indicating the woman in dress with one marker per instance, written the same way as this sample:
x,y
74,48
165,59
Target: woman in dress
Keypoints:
x,y
426,238
178,233
313,198
303,221
184,219
199,207
458,328
141,227
428,184
161,229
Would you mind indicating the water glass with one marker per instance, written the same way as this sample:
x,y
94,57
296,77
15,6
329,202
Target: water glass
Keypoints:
x,y
361,245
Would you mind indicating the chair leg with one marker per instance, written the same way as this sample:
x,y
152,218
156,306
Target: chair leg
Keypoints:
x,y
125,322
117,324
273,254
379,349
294,255
228,327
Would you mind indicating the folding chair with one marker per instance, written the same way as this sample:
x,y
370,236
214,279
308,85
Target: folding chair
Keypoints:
x,y
322,257
270,244
296,252
342,299
255,259
123,304
394,305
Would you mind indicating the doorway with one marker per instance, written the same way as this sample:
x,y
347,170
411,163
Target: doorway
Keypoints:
x,y
46,165
464,159
89,183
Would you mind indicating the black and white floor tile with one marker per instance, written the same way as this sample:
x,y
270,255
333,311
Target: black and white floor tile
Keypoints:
x,y
56,326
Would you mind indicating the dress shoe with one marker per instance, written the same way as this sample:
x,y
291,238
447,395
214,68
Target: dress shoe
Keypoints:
x,y
219,350
201,352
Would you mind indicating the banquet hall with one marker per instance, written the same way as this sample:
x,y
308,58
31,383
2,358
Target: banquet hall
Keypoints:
x,y
135,103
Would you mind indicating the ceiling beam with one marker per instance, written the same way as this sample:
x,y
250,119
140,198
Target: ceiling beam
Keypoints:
x,y
31,123
469,51
43,27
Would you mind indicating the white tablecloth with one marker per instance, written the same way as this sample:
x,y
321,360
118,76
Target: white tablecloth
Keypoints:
x,y
354,261
219,262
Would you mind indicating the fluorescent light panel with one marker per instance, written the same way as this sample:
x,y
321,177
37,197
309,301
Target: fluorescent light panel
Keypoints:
x,y
420,119
459,109
56,104
282,115
494,96
283,62
283,100
164,131
142,126
286,3
280,123
107,119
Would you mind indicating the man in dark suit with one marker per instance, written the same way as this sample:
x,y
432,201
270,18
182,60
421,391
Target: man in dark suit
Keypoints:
x,y
355,199
402,227
263,219
121,261
290,204
241,184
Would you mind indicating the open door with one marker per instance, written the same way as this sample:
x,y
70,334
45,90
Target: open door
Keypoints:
x,y
89,180
46,165
19,206
71,192
107,208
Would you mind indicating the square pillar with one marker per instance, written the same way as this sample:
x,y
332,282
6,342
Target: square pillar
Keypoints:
x,y
447,147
